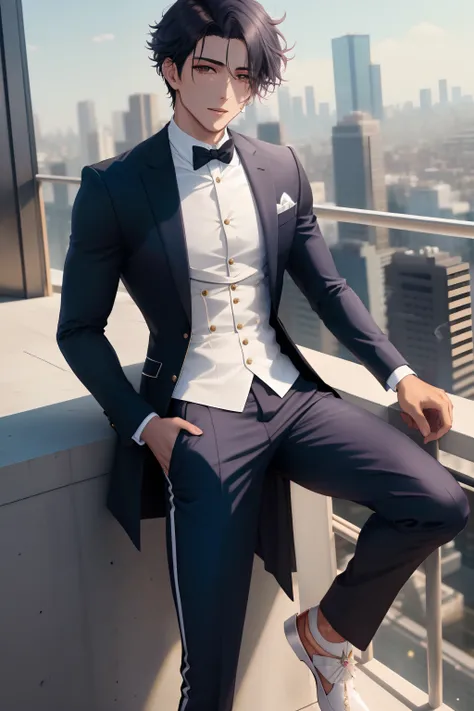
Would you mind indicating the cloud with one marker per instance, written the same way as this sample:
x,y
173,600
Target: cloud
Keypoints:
x,y
426,29
418,58
103,38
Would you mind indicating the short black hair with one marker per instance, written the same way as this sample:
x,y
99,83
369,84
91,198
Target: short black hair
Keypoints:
x,y
187,21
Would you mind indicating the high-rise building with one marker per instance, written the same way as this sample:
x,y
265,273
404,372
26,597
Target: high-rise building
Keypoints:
x,y
270,132
456,94
142,118
87,122
376,91
359,175
351,63
118,125
310,103
426,101
443,92
324,111
429,317
284,107
298,126
249,120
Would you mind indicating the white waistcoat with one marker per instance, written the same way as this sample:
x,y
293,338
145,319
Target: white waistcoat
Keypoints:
x,y
231,338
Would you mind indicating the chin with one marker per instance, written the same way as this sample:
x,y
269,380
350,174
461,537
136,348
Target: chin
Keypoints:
x,y
219,122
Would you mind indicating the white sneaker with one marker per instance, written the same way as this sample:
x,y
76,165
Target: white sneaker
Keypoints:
x,y
338,670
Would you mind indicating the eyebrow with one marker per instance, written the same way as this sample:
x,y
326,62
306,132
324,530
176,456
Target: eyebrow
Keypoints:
x,y
219,64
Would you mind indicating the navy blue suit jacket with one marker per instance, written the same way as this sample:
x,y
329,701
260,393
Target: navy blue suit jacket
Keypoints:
x,y
127,223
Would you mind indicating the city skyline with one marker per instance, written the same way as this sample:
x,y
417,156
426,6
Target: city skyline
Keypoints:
x,y
104,58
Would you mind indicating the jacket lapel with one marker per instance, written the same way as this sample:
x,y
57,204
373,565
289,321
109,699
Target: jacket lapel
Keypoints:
x,y
258,171
161,186
159,180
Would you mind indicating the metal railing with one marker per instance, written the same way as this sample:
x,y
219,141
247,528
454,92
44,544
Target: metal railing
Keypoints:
x,y
342,527
370,218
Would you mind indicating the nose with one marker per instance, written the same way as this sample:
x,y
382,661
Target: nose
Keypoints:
x,y
226,89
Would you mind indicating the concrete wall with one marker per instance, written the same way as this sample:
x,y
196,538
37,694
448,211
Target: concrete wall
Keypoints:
x,y
88,623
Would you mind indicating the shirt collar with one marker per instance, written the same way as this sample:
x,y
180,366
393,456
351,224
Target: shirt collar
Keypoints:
x,y
183,143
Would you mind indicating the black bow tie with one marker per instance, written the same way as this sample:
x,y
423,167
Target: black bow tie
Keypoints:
x,y
201,155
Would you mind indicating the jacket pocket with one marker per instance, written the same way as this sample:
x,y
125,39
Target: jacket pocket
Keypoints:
x,y
151,368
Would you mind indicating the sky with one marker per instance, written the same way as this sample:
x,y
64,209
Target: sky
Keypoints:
x,y
96,49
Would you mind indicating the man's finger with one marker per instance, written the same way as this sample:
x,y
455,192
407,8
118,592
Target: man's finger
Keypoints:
x,y
444,420
420,420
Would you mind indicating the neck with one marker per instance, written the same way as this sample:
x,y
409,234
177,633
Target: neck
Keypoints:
x,y
190,125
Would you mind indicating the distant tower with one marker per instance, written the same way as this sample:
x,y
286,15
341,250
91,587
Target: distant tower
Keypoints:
x,y
142,118
429,312
359,175
298,116
352,76
310,103
376,91
456,94
284,107
270,132
324,111
443,92
87,121
426,101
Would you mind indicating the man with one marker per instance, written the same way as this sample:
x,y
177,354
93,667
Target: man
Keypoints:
x,y
200,223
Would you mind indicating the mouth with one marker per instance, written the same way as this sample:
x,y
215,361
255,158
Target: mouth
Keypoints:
x,y
219,111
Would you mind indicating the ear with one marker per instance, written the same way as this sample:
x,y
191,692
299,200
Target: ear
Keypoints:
x,y
170,72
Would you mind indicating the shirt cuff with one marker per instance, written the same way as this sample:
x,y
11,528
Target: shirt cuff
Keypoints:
x,y
137,436
398,375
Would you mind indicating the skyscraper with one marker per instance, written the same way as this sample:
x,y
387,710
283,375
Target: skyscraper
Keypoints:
x,y
456,94
376,91
87,122
284,107
359,175
351,63
443,92
429,314
142,118
426,101
298,124
310,103
324,111
270,132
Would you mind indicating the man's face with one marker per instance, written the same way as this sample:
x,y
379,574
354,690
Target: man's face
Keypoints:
x,y
217,80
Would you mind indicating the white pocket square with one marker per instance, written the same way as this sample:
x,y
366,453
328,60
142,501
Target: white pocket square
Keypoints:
x,y
285,203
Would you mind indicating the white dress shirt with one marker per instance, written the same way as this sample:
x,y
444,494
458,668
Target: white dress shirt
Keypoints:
x,y
231,338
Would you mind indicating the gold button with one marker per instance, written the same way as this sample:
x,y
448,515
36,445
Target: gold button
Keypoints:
x,y
204,292
236,301
174,378
249,361
212,328
112,425
239,325
233,287
185,335
245,341
226,221
218,180
231,261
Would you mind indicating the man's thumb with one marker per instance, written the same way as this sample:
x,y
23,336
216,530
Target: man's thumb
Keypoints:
x,y
421,421
193,429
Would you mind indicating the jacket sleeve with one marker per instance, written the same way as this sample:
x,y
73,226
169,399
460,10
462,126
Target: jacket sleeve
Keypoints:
x,y
312,268
90,281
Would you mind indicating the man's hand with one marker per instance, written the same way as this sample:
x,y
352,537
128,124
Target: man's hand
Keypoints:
x,y
160,435
425,407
